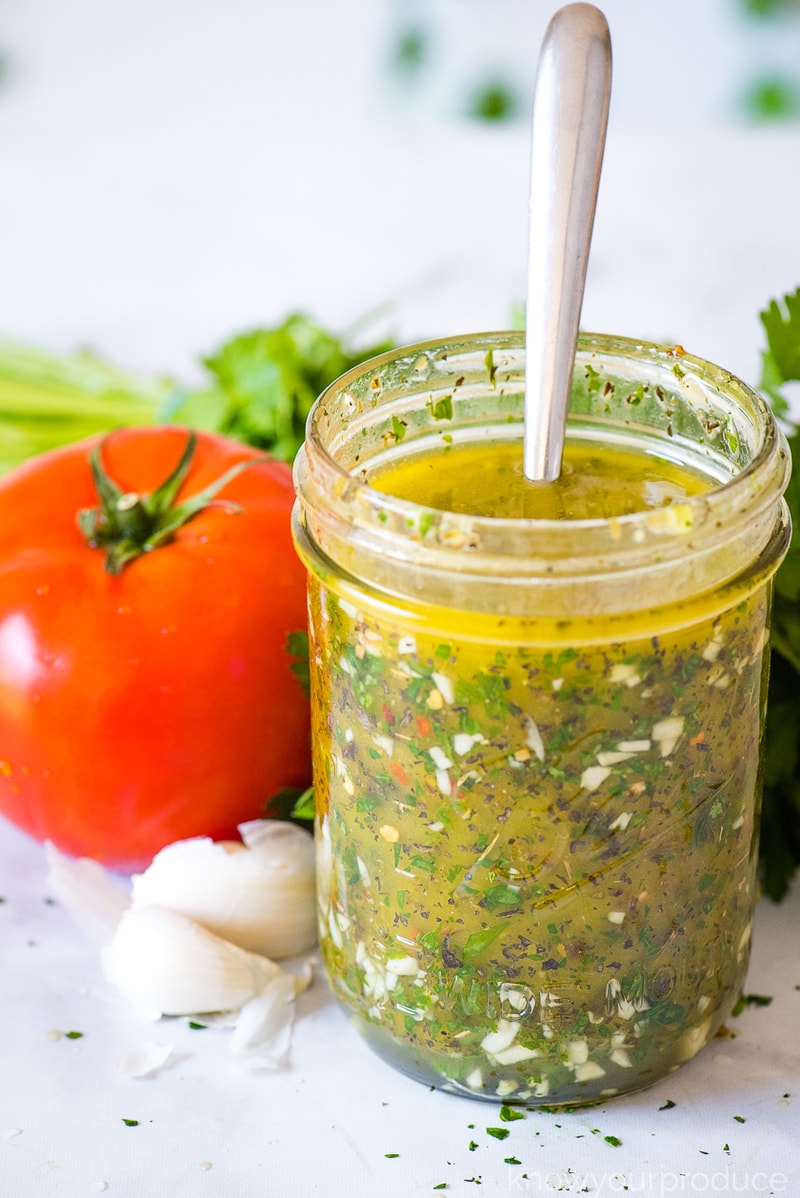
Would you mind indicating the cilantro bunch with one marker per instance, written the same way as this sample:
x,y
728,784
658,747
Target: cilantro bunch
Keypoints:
x,y
780,820
263,383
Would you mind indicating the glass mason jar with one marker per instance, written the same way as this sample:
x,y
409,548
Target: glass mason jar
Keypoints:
x,y
536,742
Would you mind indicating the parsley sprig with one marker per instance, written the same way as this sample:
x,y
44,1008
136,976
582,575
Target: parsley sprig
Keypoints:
x,y
780,820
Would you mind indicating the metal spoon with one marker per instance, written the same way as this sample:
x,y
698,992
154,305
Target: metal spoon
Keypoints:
x,y
570,115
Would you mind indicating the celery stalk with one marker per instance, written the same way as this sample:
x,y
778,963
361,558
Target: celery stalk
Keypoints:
x,y
48,400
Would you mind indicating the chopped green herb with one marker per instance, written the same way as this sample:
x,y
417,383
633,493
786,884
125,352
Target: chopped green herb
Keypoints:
x,y
472,1145
398,428
499,1133
391,1156
442,409
510,1114
740,1118
751,1000
131,1122
74,1035
197,1027
441,1186
614,1141
512,1160
668,1105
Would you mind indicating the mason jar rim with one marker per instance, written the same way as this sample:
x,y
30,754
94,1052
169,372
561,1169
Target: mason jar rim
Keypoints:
x,y
332,495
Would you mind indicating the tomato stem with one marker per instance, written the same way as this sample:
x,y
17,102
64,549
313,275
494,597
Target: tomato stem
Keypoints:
x,y
127,524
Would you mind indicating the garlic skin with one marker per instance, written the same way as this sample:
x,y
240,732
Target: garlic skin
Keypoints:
x,y
141,1058
87,893
259,895
165,963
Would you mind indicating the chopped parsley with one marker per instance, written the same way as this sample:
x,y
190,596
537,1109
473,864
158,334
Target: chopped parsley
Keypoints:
x,y
614,1141
499,1133
508,1114
131,1122
668,1105
74,1035
751,1000
740,1118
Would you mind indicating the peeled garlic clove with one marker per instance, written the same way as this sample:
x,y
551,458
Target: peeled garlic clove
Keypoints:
x,y
258,894
85,890
165,963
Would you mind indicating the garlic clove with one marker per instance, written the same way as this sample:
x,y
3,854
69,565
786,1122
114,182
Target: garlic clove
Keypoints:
x,y
165,963
259,894
86,891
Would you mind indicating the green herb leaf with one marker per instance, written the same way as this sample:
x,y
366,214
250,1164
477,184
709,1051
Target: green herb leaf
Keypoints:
x,y
780,817
614,1141
751,1000
478,942
264,382
297,648
131,1122
499,1133
74,1035
510,1114
668,1105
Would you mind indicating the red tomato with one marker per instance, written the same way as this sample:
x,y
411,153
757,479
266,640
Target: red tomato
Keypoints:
x,y
160,703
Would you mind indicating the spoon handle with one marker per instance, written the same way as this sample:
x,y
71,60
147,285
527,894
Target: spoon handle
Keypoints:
x,y
570,114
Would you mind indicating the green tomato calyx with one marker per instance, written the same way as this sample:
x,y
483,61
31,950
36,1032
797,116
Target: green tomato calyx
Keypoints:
x,y
127,524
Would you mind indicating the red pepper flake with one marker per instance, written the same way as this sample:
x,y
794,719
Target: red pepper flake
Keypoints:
x,y
399,773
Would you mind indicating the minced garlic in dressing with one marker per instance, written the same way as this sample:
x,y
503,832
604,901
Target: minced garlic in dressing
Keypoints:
x,y
537,841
